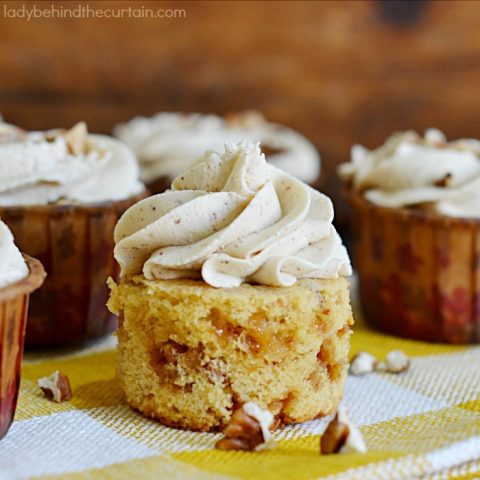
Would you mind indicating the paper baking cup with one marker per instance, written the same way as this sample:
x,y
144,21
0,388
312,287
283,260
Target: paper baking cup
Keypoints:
x,y
159,185
419,272
75,245
13,314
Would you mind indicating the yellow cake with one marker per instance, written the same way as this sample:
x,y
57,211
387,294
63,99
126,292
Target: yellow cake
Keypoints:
x,y
189,354
233,289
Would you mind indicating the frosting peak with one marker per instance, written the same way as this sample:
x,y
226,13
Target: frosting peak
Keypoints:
x,y
232,218
12,265
409,170
241,169
64,166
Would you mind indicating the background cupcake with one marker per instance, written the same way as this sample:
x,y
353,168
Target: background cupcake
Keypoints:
x,y
61,193
233,290
167,143
416,235
19,277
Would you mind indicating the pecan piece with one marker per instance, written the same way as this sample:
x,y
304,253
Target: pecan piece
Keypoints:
x,y
397,362
444,181
245,119
248,429
341,436
362,363
56,387
76,138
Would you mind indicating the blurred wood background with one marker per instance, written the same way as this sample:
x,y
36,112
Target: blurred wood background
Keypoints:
x,y
340,72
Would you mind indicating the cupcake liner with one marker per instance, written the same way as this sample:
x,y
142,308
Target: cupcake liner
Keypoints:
x,y
419,272
13,314
159,185
75,245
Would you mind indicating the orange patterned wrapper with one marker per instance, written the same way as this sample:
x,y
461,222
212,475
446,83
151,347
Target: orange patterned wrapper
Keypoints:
x,y
13,314
75,245
419,272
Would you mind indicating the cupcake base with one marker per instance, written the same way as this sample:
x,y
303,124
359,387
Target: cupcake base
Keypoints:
x,y
419,272
13,315
190,354
75,245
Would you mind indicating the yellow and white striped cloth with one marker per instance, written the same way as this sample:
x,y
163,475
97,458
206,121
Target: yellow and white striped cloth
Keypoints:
x,y
424,423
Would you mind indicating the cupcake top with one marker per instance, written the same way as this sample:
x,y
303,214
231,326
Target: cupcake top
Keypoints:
x,y
64,166
12,265
229,219
423,172
168,143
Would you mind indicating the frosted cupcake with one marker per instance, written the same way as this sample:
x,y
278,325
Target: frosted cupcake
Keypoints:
x,y
19,277
167,143
416,235
61,193
233,289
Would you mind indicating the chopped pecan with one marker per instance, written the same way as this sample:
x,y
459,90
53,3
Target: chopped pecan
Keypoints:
x,y
444,181
362,363
56,387
76,138
341,436
246,119
397,362
248,429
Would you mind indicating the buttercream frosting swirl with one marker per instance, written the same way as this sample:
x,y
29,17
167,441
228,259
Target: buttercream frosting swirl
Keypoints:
x,y
12,265
167,143
64,166
428,172
229,219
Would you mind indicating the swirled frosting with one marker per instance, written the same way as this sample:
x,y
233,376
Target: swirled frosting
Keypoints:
x,y
414,171
12,265
167,143
229,219
64,166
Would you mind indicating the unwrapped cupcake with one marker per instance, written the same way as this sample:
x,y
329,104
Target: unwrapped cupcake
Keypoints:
x,y
19,277
233,289
61,193
416,235
167,143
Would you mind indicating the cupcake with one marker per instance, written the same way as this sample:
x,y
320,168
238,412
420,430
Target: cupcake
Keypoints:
x,y
233,289
167,143
19,276
61,194
415,205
